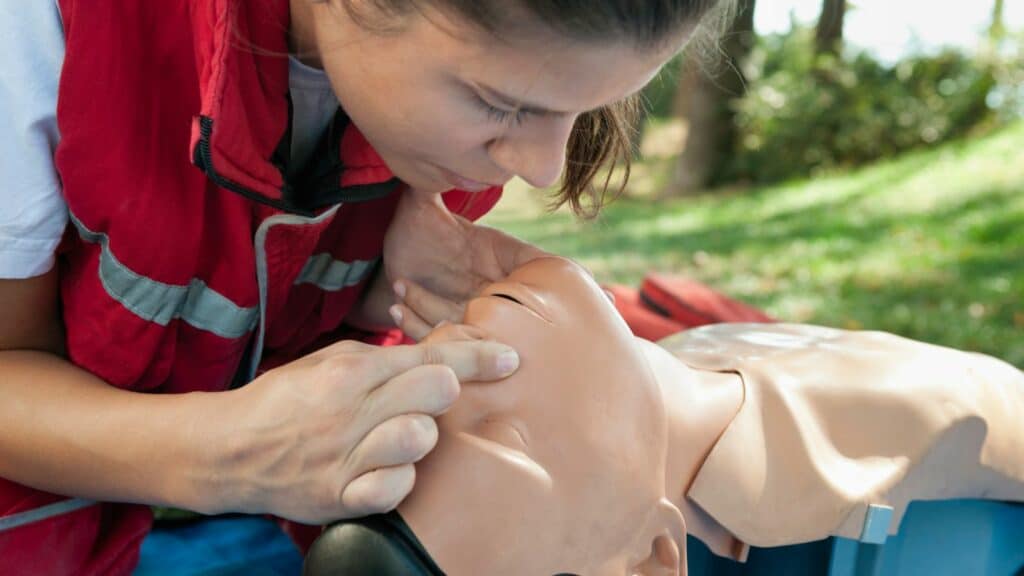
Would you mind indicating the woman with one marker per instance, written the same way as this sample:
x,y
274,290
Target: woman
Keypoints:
x,y
171,279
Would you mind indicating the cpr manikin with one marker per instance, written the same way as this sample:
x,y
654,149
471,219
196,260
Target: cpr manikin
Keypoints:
x,y
600,452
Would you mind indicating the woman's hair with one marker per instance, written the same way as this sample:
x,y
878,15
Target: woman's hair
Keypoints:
x,y
603,138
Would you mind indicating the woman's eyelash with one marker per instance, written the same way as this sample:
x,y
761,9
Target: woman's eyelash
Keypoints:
x,y
499,115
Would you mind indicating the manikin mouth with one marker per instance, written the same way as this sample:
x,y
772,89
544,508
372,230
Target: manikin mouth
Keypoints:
x,y
505,442
504,432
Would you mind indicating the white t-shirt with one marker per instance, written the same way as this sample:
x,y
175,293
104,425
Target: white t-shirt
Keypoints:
x,y
33,214
32,211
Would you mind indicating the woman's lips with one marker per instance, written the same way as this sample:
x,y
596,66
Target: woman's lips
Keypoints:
x,y
462,183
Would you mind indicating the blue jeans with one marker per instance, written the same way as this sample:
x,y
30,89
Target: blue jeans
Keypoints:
x,y
219,546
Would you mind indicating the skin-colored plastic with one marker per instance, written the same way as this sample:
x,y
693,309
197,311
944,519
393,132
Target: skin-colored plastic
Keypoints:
x,y
588,459
834,422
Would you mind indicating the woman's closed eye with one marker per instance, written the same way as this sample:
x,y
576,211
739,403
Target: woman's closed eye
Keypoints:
x,y
500,115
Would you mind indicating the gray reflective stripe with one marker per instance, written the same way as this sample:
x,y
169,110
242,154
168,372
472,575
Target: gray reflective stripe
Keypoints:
x,y
260,244
158,302
43,512
331,275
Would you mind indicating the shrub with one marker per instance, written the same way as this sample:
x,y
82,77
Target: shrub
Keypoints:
x,y
804,112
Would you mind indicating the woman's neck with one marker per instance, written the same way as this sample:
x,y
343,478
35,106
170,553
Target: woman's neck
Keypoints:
x,y
302,33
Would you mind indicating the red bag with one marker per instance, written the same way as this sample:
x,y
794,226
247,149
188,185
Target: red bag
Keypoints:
x,y
667,304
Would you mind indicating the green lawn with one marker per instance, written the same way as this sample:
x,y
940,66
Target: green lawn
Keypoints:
x,y
929,245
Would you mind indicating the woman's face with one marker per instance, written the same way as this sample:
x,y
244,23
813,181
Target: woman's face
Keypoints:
x,y
448,107
560,467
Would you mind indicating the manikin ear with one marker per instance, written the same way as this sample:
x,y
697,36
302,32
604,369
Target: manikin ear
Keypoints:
x,y
666,534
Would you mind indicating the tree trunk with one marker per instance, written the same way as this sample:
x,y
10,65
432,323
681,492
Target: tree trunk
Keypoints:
x,y
707,100
636,138
686,75
829,34
997,29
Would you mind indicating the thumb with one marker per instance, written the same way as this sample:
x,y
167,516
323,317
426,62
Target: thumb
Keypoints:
x,y
447,332
510,252
471,360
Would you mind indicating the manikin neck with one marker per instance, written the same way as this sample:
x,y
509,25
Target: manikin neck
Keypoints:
x,y
699,406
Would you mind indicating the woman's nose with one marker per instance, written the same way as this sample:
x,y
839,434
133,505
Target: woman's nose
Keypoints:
x,y
534,151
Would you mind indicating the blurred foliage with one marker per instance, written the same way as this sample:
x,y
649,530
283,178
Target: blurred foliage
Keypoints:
x,y
1005,56
929,245
804,112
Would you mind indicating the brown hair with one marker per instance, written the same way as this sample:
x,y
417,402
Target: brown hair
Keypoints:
x,y
601,139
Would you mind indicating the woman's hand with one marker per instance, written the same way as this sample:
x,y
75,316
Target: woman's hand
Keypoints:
x,y
335,434
436,261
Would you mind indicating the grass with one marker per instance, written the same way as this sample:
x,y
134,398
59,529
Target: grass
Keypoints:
x,y
929,245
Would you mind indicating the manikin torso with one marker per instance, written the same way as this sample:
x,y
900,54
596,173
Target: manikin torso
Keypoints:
x,y
837,424
600,453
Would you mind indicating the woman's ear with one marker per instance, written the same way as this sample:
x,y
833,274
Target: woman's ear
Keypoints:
x,y
666,537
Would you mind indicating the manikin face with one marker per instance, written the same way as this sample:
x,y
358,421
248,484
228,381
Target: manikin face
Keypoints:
x,y
438,100
561,467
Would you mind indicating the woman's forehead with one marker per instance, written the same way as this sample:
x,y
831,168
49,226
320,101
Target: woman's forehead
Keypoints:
x,y
542,68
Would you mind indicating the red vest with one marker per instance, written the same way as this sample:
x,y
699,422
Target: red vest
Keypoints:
x,y
173,277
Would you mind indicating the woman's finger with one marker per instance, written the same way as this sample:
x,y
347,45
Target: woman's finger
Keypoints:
x,y
509,252
409,322
429,306
404,439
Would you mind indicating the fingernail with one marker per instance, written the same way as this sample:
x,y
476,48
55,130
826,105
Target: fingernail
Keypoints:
x,y
399,288
396,314
508,362
610,295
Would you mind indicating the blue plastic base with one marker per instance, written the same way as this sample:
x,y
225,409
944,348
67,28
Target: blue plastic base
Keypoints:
x,y
947,538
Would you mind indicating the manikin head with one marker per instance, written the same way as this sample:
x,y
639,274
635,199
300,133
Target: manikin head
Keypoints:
x,y
559,468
